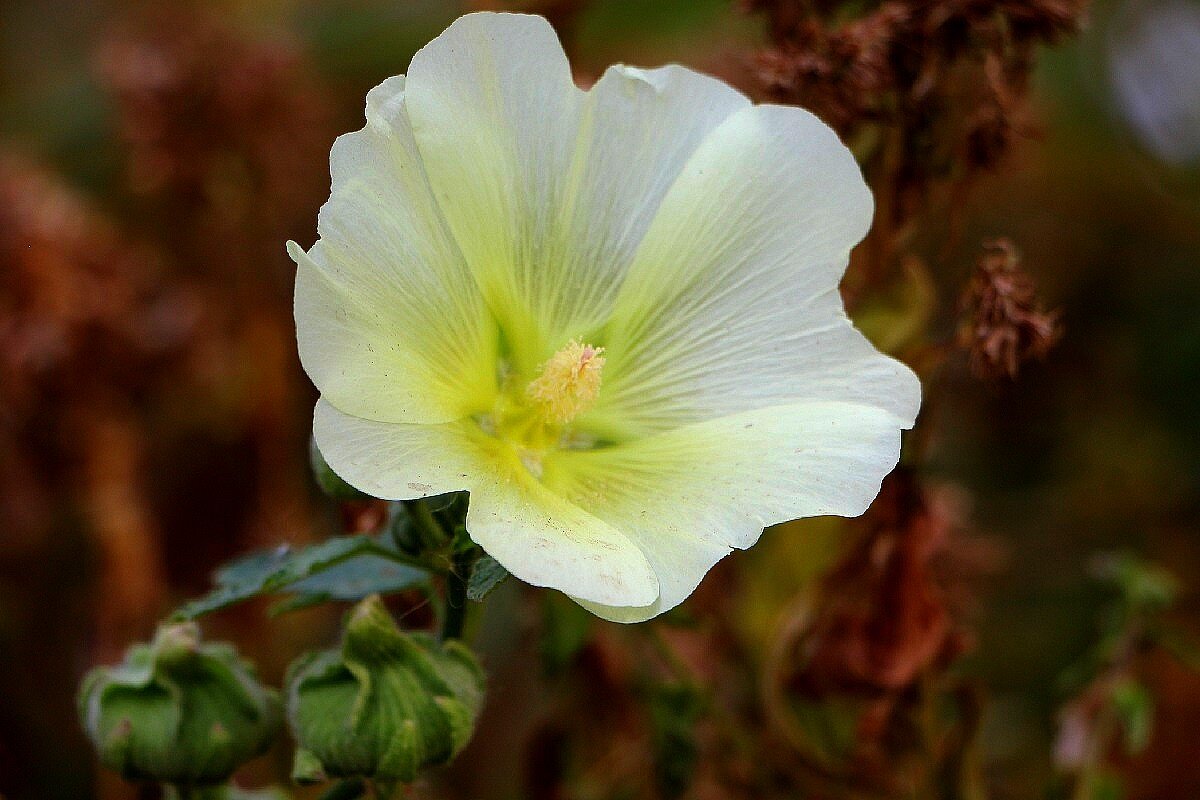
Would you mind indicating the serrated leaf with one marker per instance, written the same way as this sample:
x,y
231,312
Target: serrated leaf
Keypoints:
x,y
354,561
486,575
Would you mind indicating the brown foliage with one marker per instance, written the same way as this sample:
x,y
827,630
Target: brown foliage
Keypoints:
x,y
872,648
226,136
940,82
1004,324
154,416
83,326
209,115
883,618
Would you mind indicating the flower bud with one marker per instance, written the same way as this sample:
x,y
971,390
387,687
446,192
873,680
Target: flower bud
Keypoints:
x,y
384,705
178,711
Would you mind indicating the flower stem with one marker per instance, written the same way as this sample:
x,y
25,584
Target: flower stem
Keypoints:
x,y
456,596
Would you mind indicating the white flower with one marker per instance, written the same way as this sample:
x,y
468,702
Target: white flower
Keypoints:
x,y
611,315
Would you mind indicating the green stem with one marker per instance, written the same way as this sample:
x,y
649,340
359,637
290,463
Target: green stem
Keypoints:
x,y
455,614
431,533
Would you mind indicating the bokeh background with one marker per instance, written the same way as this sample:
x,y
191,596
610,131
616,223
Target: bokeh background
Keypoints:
x,y
154,420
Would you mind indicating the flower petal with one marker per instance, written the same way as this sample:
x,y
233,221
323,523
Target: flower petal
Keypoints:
x,y
548,189
731,302
689,495
640,128
536,535
389,321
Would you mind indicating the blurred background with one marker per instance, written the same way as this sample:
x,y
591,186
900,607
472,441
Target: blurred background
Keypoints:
x,y
1011,620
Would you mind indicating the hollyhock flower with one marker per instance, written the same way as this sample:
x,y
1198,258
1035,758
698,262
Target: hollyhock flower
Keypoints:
x,y
612,316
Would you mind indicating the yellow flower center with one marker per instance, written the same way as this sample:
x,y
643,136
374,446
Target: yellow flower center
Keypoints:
x,y
569,382
534,419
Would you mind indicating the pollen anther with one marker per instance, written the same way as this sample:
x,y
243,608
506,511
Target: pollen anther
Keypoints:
x,y
569,383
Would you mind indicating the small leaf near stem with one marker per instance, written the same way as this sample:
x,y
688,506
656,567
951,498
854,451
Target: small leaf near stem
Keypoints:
x,y
486,575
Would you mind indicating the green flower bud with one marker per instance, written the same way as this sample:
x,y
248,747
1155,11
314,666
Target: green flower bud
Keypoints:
x,y
178,711
384,705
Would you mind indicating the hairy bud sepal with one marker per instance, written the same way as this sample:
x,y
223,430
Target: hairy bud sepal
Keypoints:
x,y
178,711
384,705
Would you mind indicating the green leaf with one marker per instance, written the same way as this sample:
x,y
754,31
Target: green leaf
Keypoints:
x,y
1134,706
1144,585
486,575
341,568
351,580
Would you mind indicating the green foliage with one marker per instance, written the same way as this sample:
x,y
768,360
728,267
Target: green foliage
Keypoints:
x,y
675,708
825,731
341,568
1106,786
178,711
1142,585
1113,704
486,575
1134,708
565,630
384,705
